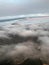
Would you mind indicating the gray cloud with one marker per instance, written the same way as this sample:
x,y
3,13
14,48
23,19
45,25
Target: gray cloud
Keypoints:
x,y
32,37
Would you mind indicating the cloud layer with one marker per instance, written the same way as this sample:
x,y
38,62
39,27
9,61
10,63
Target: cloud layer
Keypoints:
x,y
31,37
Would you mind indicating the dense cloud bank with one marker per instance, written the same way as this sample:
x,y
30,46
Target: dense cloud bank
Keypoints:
x,y
19,42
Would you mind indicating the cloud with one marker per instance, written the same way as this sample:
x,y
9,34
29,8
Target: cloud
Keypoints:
x,y
32,43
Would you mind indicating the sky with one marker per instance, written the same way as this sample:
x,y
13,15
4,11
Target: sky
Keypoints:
x,y
21,7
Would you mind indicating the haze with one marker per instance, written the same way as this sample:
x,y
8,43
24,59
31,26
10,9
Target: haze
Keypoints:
x,y
20,7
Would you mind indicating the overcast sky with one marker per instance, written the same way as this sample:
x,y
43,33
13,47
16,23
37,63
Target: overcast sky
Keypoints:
x,y
18,7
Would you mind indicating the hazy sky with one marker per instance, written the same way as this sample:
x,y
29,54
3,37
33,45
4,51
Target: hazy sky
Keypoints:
x,y
18,7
